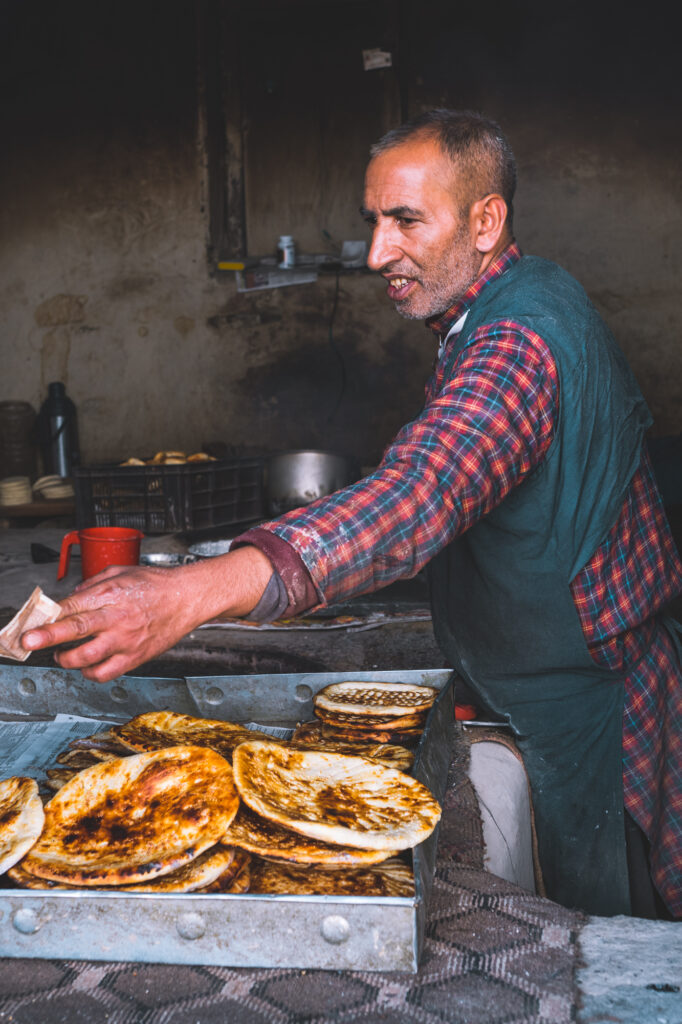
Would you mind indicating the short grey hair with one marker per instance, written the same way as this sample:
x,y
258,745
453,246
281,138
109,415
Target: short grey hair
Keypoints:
x,y
480,153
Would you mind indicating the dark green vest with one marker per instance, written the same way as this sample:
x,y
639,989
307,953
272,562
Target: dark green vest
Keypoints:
x,y
502,607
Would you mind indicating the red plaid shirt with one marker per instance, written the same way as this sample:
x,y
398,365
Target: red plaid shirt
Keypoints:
x,y
481,431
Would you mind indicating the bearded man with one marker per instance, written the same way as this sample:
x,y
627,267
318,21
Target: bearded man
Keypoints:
x,y
526,488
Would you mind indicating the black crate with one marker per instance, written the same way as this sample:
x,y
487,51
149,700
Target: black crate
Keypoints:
x,y
170,499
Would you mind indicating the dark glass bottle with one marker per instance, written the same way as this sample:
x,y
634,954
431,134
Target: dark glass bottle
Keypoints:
x,y
58,432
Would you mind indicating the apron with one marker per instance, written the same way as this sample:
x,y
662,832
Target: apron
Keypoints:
x,y
502,606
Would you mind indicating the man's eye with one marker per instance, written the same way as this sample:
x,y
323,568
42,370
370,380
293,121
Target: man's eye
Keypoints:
x,y
405,222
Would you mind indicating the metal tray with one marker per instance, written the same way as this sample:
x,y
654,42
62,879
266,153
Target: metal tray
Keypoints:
x,y
337,932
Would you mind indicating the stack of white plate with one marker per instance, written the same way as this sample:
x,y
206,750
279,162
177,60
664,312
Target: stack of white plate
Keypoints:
x,y
53,487
15,490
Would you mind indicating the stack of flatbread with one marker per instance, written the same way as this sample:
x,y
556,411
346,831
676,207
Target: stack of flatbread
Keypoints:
x,y
379,711
172,803
149,822
345,815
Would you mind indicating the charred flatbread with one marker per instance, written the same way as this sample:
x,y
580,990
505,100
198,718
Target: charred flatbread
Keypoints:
x,y
391,878
310,735
25,880
155,730
135,818
371,723
55,778
200,872
375,698
337,798
336,732
252,832
237,879
105,741
21,819
85,757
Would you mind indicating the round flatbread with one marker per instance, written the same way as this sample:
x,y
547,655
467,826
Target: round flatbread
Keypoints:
x,y
310,735
351,734
155,730
237,878
25,880
83,758
337,798
200,872
21,819
375,698
258,835
392,878
371,723
134,818
104,741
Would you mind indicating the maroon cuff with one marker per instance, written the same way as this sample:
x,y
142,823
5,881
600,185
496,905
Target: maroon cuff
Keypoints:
x,y
288,563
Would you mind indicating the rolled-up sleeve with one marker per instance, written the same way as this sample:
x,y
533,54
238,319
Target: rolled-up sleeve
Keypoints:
x,y
481,431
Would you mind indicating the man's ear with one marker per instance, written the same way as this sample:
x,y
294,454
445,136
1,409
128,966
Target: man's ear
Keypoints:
x,y
488,218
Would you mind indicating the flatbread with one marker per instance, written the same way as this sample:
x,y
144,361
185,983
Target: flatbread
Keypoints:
x,y
336,732
58,777
251,832
21,819
375,698
392,878
371,723
200,872
237,878
71,762
135,818
337,798
155,730
310,735
25,880
104,741
84,758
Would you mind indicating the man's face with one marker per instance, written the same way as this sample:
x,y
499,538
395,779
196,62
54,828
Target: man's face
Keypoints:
x,y
422,243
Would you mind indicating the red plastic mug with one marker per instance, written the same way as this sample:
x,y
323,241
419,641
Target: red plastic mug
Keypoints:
x,y
100,546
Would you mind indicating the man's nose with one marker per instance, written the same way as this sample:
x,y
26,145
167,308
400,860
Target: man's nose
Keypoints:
x,y
383,249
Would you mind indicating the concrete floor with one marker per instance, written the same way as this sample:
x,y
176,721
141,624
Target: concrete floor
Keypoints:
x,y
631,973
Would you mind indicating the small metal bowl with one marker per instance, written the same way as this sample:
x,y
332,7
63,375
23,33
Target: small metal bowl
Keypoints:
x,y
209,548
167,560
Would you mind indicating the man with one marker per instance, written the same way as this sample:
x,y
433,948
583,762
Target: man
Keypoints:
x,y
525,486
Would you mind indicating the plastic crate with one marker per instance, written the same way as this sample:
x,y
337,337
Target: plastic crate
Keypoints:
x,y
170,499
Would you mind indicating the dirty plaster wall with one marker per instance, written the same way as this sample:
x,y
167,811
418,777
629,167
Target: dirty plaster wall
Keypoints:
x,y
104,279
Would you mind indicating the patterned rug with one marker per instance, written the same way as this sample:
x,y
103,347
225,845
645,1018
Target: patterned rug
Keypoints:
x,y
494,954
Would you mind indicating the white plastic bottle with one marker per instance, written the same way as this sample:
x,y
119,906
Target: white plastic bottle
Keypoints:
x,y
286,252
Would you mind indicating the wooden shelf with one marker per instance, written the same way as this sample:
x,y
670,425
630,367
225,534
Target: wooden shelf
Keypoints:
x,y
39,509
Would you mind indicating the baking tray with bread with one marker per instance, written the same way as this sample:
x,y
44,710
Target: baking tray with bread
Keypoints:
x,y
183,833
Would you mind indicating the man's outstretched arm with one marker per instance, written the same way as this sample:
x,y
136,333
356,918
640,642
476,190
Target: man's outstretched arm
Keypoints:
x,y
124,617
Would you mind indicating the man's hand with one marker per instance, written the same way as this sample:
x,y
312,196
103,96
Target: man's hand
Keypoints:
x,y
126,616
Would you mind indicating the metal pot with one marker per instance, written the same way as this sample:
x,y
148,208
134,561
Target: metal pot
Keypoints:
x,y
295,478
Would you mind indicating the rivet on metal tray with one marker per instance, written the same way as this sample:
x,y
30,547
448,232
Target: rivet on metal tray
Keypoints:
x,y
303,693
118,694
191,926
26,921
27,687
335,929
214,695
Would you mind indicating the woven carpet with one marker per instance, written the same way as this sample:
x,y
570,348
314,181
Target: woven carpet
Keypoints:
x,y
494,954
